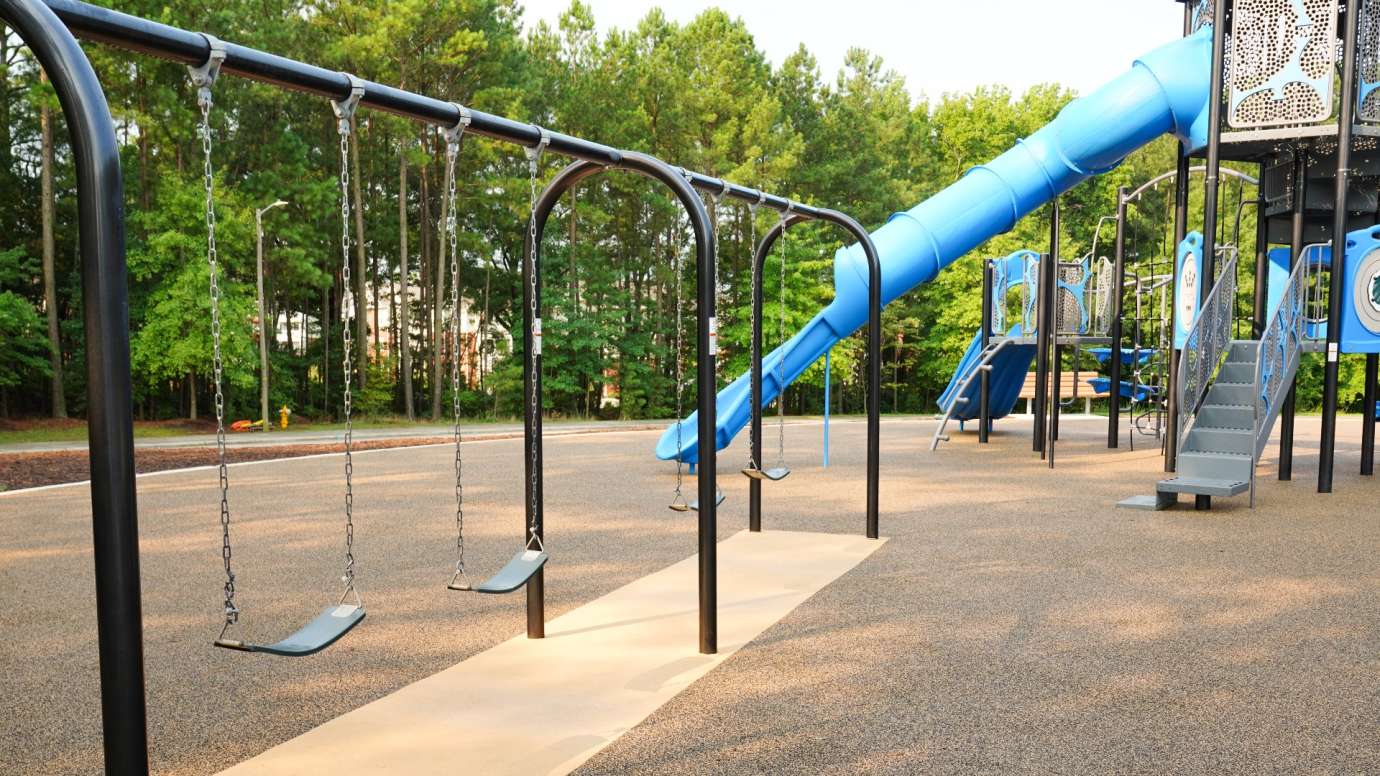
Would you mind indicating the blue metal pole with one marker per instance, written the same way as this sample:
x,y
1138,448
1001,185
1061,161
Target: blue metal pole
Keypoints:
x,y
828,378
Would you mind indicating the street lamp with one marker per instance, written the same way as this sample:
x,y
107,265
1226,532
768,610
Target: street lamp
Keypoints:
x,y
263,319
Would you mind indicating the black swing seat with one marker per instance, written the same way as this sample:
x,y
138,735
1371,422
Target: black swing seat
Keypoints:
x,y
517,573
774,474
718,499
321,632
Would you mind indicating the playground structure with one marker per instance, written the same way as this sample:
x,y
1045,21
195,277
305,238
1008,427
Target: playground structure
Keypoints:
x,y
1179,88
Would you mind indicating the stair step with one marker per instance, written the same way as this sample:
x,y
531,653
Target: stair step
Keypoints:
x,y
1243,351
1220,416
1237,372
1216,466
1231,395
1220,440
1199,486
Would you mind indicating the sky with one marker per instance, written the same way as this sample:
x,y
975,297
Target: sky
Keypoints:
x,y
937,45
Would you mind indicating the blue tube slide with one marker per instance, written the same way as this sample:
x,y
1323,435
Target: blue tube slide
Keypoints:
x,y
1165,91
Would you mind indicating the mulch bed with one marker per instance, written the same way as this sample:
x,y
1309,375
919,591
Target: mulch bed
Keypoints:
x,y
32,470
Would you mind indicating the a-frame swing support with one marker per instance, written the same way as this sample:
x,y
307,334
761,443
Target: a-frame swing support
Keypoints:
x,y
795,214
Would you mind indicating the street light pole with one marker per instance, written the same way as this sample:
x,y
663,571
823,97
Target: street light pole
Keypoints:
x,y
263,319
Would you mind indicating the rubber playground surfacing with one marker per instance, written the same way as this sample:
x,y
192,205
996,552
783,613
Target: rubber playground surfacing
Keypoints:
x,y
1015,621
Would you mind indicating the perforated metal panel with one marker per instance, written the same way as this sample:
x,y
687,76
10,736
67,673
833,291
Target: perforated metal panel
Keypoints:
x,y
1283,56
1368,51
1069,314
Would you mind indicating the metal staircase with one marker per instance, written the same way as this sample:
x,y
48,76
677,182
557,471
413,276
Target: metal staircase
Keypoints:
x,y
1231,392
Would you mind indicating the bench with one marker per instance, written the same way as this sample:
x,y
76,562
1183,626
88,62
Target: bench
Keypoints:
x,y
1067,381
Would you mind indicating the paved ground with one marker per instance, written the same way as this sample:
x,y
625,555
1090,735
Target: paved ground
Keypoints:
x,y
1015,621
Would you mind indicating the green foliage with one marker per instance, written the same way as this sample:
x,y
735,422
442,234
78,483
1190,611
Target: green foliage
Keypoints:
x,y
700,94
23,341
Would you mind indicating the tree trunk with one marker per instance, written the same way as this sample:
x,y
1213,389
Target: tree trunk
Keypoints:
x,y
59,400
437,312
361,300
403,340
191,395
326,345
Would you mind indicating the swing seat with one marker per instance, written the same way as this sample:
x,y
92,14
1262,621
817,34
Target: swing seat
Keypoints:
x,y
777,473
325,630
517,573
718,499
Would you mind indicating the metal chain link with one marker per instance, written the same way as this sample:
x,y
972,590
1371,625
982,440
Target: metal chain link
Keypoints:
x,y
756,343
534,409
678,501
344,113
204,77
454,136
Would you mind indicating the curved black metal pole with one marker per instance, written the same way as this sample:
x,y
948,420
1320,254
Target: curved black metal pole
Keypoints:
x,y
676,180
872,527
110,422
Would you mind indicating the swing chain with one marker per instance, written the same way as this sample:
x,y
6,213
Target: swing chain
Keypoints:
x,y
534,154
678,501
453,136
781,336
344,113
203,78
756,342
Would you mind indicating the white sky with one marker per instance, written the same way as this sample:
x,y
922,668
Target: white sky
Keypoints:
x,y
937,45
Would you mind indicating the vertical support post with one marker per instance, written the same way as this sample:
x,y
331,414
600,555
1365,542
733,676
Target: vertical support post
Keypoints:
x,y
1118,303
110,420
1288,410
1056,401
1041,359
1368,416
1262,260
984,377
1327,447
828,380
1214,149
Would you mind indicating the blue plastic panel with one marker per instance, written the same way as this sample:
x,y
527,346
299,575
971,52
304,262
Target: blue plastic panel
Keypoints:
x,y
1361,293
1188,294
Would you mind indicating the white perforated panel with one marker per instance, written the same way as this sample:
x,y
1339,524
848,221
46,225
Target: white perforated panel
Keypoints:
x,y
1283,56
1368,51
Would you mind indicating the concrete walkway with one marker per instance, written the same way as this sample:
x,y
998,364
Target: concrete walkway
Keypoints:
x,y
545,706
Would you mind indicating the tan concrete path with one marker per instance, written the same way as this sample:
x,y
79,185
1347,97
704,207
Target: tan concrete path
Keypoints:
x,y
545,706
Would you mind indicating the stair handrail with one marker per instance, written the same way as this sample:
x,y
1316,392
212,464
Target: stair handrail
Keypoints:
x,y
1207,344
1281,347
984,364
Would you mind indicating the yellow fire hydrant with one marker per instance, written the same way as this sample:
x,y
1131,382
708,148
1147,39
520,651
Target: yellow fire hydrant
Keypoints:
x,y
283,414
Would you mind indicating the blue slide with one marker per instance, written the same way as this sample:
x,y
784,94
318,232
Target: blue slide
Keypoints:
x,y
1009,368
1165,91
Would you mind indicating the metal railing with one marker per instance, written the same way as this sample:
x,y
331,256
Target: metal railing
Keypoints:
x,y
984,364
1206,347
1281,347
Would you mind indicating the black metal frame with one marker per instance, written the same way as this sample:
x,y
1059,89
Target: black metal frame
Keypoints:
x,y
679,183
110,421
50,28
1289,410
795,214
1327,447
1116,333
985,377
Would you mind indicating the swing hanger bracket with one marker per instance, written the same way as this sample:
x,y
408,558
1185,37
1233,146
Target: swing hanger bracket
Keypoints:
x,y
204,75
454,133
534,152
345,109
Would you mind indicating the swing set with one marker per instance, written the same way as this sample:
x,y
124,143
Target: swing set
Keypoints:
x,y
49,28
